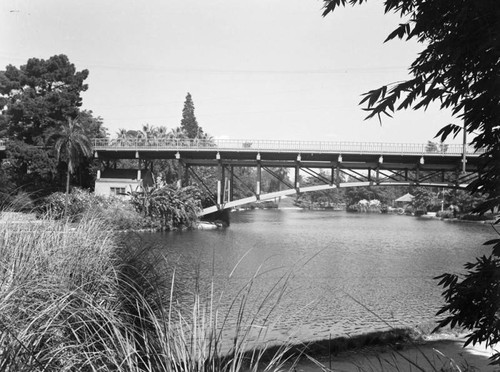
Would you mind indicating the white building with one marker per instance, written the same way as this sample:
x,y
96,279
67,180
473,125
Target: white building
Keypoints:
x,y
122,181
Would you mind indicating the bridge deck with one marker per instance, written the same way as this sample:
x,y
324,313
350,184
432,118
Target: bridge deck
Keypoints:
x,y
355,155
268,146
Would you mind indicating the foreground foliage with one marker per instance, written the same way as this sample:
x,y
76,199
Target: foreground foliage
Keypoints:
x,y
459,69
72,299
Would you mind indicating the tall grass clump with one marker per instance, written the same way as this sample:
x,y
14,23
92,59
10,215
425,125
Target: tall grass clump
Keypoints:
x,y
72,299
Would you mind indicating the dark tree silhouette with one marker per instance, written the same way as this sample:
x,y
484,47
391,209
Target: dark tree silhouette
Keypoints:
x,y
189,123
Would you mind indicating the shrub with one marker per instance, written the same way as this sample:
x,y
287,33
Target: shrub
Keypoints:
x,y
118,214
80,202
477,217
445,214
409,209
169,206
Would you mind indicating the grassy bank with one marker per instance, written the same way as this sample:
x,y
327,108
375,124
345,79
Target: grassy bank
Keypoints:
x,y
72,299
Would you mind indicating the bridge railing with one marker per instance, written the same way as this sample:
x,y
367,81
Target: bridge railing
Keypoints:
x,y
378,148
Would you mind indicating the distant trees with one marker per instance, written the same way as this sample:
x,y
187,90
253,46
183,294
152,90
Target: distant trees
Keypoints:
x,y
189,124
424,198
436,147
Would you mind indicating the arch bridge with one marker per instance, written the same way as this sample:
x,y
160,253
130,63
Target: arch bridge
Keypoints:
x,y
349,164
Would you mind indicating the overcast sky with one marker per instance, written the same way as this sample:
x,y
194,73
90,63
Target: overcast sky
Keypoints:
x,y
261,69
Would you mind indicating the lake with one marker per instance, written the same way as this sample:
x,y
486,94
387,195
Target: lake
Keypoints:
x,y
332,273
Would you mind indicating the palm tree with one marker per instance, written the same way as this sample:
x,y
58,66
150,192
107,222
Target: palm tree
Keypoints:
x,y
72,143
121,136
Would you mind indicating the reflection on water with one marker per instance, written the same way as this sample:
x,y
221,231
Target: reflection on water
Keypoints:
x,y
350,273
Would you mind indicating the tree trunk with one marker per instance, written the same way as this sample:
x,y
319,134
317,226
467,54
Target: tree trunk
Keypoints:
x,y
66,200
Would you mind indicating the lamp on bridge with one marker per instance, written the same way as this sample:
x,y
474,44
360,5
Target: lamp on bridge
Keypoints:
x,y
177,155
340,158
299,158
381,159
258,156
422,161
217,156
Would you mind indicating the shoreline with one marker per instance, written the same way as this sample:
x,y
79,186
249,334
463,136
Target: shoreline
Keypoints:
x,y
391,350
441,354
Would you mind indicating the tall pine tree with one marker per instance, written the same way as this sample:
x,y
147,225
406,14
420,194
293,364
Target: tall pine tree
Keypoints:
x,y
188,122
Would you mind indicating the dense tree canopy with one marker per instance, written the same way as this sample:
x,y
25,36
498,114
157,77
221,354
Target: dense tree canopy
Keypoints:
x,y
39,96
459,69
36,101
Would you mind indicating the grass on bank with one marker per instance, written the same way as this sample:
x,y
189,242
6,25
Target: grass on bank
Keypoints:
x,y
72,299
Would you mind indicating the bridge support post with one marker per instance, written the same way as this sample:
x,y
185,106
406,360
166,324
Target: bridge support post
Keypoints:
x,y
180,173
231,183
224,183
297,177
186,174
259,178
218,193
221,184
337,175
139,175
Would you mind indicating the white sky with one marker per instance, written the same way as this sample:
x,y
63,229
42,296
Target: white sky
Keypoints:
x,y
261,69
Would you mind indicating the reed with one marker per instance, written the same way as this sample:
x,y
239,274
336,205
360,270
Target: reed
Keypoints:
x,y
72,299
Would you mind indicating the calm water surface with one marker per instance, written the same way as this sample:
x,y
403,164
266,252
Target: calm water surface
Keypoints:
x,y
346,273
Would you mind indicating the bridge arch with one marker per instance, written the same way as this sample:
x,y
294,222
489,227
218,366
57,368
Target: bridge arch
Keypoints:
x,y
277,194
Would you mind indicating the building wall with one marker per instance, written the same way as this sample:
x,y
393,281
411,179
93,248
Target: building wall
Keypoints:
x,y
110,186
118,185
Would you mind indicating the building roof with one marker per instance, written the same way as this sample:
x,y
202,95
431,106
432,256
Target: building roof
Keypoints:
x,y
406,198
